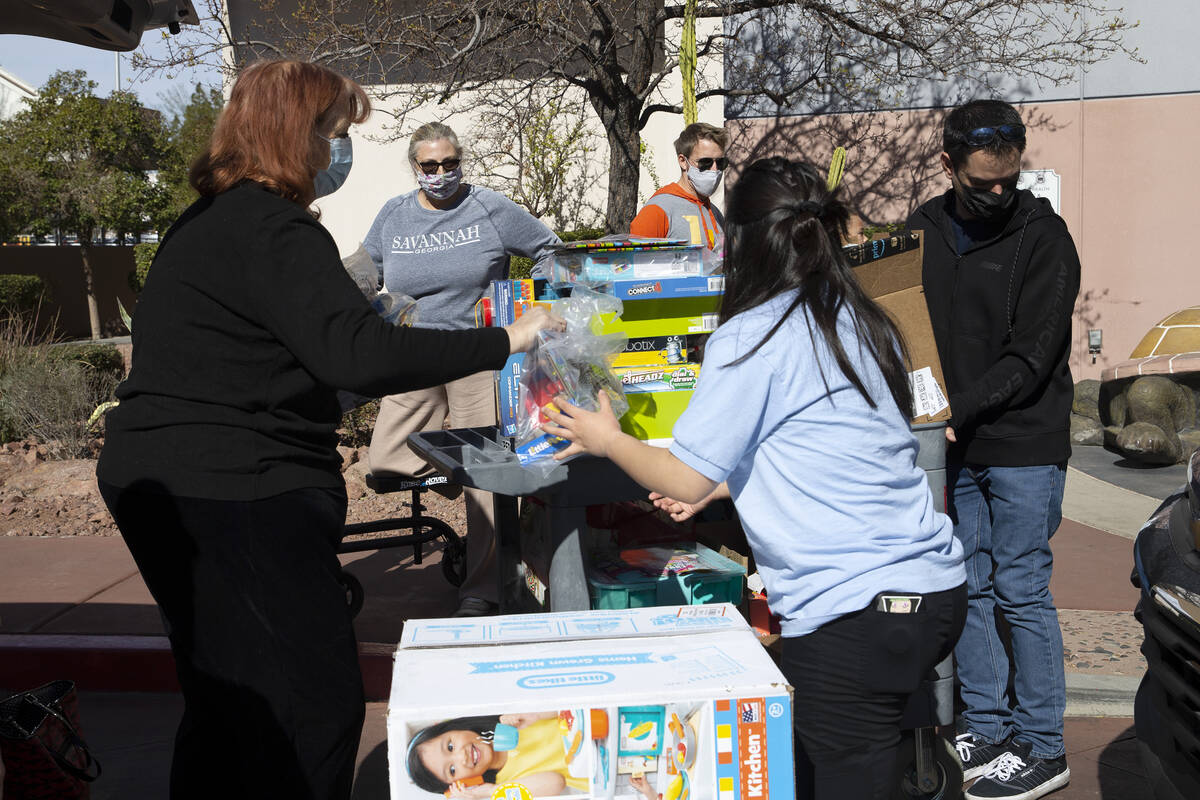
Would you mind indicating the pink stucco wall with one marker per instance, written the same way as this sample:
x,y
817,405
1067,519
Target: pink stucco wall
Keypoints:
x,y
1128,186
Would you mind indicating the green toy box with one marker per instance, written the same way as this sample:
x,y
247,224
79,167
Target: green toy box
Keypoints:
x,y
679,574
652,415
666,316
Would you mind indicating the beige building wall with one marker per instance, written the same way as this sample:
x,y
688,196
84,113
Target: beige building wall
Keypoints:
x,y
1128,182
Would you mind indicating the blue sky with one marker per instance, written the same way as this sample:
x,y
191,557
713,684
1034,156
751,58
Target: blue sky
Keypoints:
x,y
33,59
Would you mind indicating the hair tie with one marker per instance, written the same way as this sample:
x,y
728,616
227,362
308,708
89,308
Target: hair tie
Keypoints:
x,y
809,207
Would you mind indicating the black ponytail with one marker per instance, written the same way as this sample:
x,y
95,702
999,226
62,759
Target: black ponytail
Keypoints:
x,y
783,232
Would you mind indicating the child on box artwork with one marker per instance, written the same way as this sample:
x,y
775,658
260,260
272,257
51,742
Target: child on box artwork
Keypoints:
x,y
801,416
446,758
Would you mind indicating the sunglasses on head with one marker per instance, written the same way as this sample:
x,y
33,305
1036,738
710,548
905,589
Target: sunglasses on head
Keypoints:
x,y
705,164
431,167
981,137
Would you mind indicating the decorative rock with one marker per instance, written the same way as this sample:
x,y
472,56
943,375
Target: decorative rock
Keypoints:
x,y
1148,443
1087,399
1086,431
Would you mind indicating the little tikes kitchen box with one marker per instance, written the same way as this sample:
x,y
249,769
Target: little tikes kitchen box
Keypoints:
x,y
681,701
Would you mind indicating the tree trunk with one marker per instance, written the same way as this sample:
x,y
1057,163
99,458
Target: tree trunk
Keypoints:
x,y
89,284
624,167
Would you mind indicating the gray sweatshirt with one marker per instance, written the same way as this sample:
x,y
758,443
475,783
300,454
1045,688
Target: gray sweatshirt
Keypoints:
x,y
446,259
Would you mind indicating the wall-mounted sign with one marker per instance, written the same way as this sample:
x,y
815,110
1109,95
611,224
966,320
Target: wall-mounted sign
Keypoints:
x,y
1043,183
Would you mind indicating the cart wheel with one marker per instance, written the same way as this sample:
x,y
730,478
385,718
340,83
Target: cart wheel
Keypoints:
x,y
947,777
454,561
354,593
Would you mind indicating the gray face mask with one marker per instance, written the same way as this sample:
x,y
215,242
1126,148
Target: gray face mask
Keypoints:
x,y
341,158
704,182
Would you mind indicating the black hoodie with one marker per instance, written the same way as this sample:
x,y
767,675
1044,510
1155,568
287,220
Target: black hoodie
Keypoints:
x,y
1001,314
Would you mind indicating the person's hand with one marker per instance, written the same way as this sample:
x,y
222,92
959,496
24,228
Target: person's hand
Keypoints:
x,y
523,333
950,434
477,792
679,510
640,783
587,431
521,720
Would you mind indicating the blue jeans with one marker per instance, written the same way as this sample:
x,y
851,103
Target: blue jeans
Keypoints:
x,y
1004,517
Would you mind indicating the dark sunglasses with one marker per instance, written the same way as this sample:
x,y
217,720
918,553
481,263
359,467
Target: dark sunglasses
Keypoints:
x,y
705,164
981,137
431,167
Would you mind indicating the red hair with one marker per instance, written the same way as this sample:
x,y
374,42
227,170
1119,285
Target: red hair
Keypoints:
x,y
267,130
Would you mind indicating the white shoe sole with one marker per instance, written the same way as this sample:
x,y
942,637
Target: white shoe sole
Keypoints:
x,y
1057,782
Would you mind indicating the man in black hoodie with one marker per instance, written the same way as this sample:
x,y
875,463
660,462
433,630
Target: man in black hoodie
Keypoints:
x,y
1001,274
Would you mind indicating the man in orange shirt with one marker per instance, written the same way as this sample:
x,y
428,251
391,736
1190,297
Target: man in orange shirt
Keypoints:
x,y
681,210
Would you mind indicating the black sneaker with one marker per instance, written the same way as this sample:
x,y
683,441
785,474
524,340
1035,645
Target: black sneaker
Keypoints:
x,y
1016,775
977,754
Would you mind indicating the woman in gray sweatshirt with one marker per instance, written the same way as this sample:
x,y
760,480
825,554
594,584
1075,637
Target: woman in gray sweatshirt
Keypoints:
x,y
443,243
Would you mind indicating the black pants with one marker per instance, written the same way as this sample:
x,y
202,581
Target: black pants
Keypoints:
x,y
852,678
262,639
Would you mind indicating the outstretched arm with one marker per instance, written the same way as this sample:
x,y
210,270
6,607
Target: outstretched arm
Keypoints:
x,y
680,511
599,433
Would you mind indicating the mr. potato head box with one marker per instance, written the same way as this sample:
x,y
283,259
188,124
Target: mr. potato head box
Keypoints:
x,y
664,703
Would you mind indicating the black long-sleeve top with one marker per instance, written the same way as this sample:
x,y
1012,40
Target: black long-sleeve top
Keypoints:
x,y
246,328
1001,314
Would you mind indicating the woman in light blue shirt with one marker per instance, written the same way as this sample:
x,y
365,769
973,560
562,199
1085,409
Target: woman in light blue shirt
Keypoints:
x,y
801,415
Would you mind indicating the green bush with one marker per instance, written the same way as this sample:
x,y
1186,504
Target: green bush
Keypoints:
x,y
48,393
21,294
143,257
358,424
102,358
520,267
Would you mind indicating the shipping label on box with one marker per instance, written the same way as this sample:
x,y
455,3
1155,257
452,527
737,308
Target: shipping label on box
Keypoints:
x,y
894,281
576,716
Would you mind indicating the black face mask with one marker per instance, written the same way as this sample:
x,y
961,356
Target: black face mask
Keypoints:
x,y
985,205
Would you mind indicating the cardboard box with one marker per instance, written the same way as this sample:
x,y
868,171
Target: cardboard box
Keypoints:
x,y
622,691
894,281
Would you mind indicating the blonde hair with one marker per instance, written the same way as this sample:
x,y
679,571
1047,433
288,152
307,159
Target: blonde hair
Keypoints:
x,y
431,132
693,133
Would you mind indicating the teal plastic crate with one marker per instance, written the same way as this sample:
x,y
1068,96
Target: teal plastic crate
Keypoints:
x,y
666,575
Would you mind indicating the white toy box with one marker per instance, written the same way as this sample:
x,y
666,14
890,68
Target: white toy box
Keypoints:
x,y
677,702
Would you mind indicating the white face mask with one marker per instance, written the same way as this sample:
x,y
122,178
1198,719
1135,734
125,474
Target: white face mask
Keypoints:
x,y
706,182
341,158
441,185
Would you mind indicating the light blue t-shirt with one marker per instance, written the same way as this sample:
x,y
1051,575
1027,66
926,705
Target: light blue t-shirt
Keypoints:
x,y
834,506
445,259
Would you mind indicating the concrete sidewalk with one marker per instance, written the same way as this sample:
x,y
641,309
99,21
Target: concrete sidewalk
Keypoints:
x,y
77,608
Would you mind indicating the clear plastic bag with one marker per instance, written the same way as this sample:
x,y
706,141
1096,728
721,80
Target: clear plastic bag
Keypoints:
x,y
714,260
363,270
394,307
575,363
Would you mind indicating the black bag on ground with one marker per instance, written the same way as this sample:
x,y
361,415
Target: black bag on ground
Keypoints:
x,y
44,754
